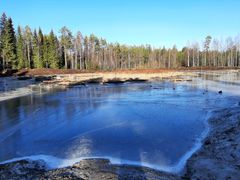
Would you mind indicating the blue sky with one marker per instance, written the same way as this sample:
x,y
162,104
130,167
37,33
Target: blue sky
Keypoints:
x,y
131,22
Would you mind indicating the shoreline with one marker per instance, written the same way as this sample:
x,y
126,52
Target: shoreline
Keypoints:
x,y
211,160
64,81
14,87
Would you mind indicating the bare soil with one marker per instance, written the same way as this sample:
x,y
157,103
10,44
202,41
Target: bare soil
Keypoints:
x,y
45,71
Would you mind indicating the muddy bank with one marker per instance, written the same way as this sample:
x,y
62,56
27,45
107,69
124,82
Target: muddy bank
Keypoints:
x,y
218,158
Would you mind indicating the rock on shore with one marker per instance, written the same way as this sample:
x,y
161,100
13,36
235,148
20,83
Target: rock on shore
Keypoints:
x,y
94,169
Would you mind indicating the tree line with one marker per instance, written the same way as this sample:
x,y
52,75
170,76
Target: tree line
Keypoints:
x,y
27,48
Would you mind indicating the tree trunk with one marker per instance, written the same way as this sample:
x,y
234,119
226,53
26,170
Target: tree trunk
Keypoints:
x,y
76,60
193,58
235,61
29,58
169,59
3,60
129,65
238,59
80,60
205,63
72,61
198,62
65,58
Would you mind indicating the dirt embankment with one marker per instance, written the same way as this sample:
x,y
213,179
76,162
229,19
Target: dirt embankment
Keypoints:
x,y
45,71
67,80
218,158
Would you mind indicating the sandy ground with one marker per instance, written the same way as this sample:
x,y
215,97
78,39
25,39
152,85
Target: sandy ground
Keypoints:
x,y
219,156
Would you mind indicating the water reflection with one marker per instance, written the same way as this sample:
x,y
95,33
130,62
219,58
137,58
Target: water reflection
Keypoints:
x,y
152,123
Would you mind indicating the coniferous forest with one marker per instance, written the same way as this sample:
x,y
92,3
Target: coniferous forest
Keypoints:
x,y
31,48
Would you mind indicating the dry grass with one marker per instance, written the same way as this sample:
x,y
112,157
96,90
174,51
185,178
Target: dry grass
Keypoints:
x,y
44,71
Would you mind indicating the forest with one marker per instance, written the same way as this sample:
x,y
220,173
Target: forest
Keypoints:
x,y
27,48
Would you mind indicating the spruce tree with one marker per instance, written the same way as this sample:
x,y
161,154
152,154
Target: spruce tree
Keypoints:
x,y
3,21
21,50
9,45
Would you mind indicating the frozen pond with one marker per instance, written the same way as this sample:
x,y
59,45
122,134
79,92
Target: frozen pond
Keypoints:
x,y
155,124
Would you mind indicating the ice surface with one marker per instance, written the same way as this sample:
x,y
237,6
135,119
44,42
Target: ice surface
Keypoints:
x,y
157,124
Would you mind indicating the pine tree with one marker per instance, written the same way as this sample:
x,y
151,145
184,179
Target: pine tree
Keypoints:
x,y
40,44
61,55
45,51
28,39
21,55
36,51
53,51
66,41
206,47
9,45
78,50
